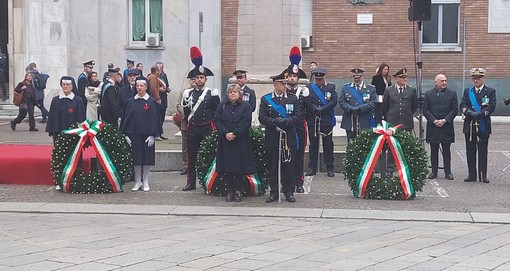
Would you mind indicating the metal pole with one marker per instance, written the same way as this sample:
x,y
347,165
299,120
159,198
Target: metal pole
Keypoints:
x,y
464,55
419,64
200,28
280,150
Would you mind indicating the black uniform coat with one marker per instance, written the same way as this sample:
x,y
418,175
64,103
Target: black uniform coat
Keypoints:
x,y
202,118
64,112
267,115
141,120
313,102
110,108
347,102
249,97
440,105
399,108
234,156
487,109
83,82
125,93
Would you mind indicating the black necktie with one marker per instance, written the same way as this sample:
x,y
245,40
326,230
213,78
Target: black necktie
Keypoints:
x,y
400,90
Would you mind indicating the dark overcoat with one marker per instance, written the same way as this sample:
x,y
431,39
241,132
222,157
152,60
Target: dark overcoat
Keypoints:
x,y
249,97
141,120
440,105
64,113
234,156
347,101
313,101
398,108
486,110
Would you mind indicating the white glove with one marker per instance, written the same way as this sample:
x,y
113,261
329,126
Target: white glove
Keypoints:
x,y
128,140
150,141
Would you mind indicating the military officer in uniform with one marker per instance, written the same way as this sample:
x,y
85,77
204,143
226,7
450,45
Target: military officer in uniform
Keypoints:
x,y
199,105
357,100
477,104
293,74
248,93
83,80
440,106
130,64
279,112
110,108
320,118
400,102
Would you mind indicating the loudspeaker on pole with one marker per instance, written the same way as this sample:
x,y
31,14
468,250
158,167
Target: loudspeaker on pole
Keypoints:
x,y
420,10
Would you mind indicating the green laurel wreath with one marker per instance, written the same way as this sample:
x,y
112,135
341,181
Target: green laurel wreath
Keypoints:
x,y
95,182
381,187
207,153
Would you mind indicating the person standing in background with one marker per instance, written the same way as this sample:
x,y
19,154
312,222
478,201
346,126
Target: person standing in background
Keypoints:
x,y
440,106
477,104
381,80
83,80
27,104
130,64
248,93
163,94
92,95
184,124
3,66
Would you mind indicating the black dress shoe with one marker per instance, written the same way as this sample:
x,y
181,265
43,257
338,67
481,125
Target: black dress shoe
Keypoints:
x,y
43,121
13,125
331,173
299,189
184,172
162,137
485,180
311,172
189,187
237,197
469,180
33,129
449,176
230,197
272,198
432,175
290,198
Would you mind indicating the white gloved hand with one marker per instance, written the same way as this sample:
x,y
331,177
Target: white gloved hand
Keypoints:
x,y
150,141
128,140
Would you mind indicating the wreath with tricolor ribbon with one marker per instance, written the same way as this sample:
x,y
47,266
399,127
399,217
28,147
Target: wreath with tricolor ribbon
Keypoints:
x,y
410,164
214,183
112,151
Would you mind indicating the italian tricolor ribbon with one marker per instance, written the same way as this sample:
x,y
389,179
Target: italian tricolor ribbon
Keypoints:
x,y
212,174
87,131
255,184
385,135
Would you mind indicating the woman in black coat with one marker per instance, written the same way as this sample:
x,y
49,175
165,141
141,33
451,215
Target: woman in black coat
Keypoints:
x,y
66,109
140,123
27,104
234,156
381,80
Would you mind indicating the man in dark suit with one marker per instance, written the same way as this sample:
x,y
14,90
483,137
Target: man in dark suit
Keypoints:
x,y
357,100
320,118
248,93
110,108
83,80
440,106
400,102
279,110
477,104
127,91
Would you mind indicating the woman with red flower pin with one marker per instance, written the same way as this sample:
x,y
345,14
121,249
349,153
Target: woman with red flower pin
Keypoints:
x,y
66,109
140,124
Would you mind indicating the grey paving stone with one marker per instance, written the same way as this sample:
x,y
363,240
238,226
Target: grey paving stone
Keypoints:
x,y
90,266
247,264
206,263
44,265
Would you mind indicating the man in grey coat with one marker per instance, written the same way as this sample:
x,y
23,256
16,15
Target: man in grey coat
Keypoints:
x,y
400,101
440,106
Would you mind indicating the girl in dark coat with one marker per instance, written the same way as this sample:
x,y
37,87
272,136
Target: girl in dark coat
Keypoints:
x,y
66,109
234,156
140,123
27,104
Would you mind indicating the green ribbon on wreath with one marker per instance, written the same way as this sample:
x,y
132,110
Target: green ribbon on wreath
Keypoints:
x,y
87,132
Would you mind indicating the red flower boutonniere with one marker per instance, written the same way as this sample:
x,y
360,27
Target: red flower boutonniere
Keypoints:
x,y
146,107
70,110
